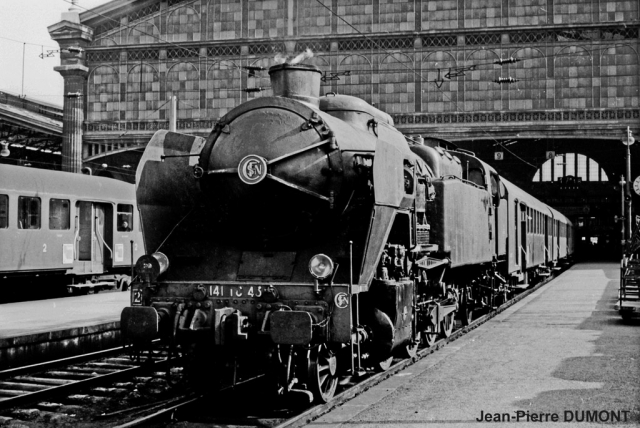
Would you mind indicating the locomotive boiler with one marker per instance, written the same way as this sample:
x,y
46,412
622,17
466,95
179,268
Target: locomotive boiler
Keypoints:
x,y
309,239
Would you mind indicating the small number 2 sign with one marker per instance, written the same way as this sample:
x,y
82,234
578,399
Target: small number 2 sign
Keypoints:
x,y
136,296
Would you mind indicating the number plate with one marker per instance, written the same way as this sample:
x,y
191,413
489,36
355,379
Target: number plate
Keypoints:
x,y
236,291
136,296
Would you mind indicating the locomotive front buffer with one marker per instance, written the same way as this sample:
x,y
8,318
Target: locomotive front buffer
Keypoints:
x,y
150,317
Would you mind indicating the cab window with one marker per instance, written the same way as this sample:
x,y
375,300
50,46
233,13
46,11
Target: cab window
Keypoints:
x,y
125,218
59,214
28,212
476,176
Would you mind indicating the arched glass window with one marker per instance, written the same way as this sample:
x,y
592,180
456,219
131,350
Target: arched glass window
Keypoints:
x,y
570,164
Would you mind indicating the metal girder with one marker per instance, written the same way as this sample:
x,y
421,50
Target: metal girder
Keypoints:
x,y
33,129
18,136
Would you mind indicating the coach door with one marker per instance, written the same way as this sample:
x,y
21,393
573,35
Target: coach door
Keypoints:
x,y
93,236
523,237
548,251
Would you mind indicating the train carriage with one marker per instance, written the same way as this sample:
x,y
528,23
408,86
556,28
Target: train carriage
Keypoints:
x,y
555,250
73,230
535,229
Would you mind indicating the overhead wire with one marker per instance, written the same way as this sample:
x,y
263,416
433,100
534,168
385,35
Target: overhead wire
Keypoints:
x,y
391,54
454,102
190,50
419,76
374,42
28,43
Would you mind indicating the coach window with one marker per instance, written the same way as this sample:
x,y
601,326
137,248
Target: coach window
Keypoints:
x,y
59,214
28,212
125,218
4,211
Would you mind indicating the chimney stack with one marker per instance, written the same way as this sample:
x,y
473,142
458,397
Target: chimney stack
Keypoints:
x,y
297,81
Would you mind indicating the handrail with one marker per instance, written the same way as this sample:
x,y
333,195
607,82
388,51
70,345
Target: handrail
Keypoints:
x,y
455,177
100,236
75,239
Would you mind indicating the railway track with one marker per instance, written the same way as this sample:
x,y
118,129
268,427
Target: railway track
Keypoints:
x,y
85,387
245,407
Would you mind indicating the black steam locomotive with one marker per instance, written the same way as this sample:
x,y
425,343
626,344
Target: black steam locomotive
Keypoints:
x,y
309,239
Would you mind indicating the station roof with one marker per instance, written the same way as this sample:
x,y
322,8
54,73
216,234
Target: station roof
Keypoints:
x,y
29,126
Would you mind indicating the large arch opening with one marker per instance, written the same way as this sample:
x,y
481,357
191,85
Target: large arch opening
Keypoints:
x,y
570,167
580,187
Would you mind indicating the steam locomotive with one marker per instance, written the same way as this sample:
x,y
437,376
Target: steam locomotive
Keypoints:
x,y
306,237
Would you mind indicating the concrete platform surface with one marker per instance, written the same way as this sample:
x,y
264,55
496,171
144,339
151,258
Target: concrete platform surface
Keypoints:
x,y
561,351
45,330
43,316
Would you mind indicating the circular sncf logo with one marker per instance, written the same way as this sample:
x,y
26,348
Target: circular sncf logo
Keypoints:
x,y
341,300
252,169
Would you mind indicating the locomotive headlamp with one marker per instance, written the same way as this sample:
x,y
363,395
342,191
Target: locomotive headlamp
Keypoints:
x,y
321,266
150,266
162,260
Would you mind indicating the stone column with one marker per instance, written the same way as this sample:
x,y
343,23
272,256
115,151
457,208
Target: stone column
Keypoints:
x,y
75,83
73,38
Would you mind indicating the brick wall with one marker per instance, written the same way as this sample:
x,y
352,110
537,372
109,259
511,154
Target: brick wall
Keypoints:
x,y
417,56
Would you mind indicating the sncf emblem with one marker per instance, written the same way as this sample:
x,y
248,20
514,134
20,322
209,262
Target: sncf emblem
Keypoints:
x,y
252,169
341,300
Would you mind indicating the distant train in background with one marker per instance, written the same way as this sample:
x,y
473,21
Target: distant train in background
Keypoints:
x,y
63,230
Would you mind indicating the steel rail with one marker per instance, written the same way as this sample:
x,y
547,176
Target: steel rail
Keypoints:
x,y
164,413
47,365
51,386
138,410
158,416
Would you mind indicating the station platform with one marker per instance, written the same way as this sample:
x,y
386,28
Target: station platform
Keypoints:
x,y
560,357
42,330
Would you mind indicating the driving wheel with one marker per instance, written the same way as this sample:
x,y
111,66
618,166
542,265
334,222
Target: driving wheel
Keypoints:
x,y
322,369
446,325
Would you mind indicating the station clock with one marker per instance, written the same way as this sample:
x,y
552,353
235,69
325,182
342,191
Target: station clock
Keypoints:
x,y
636,185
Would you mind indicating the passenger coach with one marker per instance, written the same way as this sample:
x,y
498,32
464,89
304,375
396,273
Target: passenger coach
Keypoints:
x,y
541,235
67,229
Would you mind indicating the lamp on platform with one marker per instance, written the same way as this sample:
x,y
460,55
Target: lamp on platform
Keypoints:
x,y
5,149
